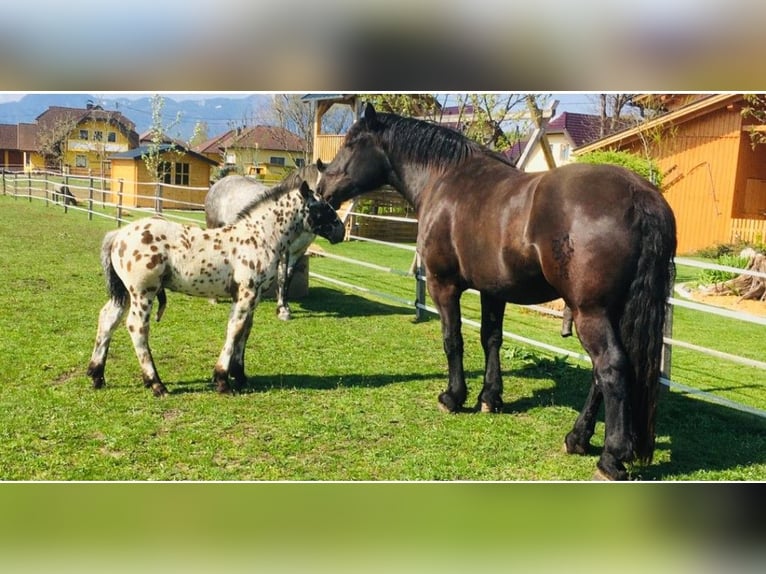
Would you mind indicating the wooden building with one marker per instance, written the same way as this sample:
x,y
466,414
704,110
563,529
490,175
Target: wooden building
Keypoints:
x,y
184,177
715,180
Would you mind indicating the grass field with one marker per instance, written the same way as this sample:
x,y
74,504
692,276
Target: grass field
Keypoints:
x,y
346,391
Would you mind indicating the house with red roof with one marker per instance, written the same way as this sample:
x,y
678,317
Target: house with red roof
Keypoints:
x,y
267,152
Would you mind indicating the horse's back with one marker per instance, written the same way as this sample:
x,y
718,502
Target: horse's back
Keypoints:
x,y
227,197
586,223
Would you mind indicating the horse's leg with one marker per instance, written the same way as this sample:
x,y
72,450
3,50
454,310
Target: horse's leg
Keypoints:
x,y
138,328
491,396
284,278
610,364
237,364
108,318
566,322
446,297
577,440
241,311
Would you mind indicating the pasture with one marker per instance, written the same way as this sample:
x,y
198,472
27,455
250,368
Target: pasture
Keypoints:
x,y
345,391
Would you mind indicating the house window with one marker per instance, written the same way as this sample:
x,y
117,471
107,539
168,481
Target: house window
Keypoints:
x,y
564,152
83,134
182,173
80,160
300,162
98,135
164,172
111,137
274,160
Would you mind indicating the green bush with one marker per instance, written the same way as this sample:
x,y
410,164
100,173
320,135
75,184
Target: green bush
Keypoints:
x,y
709,276
646,168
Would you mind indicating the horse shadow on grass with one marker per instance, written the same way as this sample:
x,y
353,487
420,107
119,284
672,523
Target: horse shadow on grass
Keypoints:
x,y
700,435
300,381
322,301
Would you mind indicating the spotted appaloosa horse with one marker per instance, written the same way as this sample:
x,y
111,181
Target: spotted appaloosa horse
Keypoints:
x,y
238,261
599,236
230,194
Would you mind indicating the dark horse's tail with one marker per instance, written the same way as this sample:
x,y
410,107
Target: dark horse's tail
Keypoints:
x,y
641,325
115,285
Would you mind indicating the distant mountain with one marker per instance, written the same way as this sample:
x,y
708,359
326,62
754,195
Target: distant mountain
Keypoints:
x,y
218,112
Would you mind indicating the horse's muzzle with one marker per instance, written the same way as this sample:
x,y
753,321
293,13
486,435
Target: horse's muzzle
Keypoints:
x,y
334,233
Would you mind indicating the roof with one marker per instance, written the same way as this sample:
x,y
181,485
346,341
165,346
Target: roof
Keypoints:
x,y
262,137
139,152
18,137
580,128
9,136
684,113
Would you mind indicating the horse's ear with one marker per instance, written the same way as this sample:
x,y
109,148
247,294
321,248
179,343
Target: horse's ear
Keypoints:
x,y
321,166
370,117
305,190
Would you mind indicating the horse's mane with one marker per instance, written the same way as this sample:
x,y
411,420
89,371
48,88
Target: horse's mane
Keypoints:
x,y
425,142
290,183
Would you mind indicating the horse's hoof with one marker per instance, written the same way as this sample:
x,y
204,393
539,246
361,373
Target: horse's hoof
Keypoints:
x,y
447,404
284,315
573,447
159,390
485,407
99,383
600,476
444,408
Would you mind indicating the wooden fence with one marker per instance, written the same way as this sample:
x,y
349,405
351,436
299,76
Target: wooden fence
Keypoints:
x,y
44,188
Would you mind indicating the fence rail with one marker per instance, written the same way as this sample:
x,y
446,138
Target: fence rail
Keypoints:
x,y
44,189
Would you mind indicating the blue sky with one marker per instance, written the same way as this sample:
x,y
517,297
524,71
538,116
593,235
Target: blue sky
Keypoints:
x,y
581,102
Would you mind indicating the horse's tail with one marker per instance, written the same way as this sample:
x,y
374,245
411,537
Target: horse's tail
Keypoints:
x,y
114,284
641,325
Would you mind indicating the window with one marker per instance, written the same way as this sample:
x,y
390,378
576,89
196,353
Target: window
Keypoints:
x,y
163,172
83,134
80,160
98,135
274,160
300,162
111,137
564,152
182,173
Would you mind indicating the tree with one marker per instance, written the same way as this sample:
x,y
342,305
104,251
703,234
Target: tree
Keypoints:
x,y
156,167
289,112
485,118
53,137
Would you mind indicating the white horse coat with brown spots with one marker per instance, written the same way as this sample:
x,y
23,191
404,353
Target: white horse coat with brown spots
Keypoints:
x,y
237,261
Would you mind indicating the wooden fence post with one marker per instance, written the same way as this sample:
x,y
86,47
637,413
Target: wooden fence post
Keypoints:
x,y
667,348
158,198
119,203
420,289
29,186
63,197
90,196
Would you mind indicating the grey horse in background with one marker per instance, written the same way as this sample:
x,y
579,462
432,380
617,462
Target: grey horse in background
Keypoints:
x,y
231,194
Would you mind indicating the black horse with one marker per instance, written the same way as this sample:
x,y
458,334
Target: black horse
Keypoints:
x,y
599,236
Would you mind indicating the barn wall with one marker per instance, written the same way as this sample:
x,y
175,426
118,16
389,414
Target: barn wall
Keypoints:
x,y
700,157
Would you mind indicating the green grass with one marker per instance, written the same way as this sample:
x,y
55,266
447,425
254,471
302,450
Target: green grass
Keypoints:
x,y
346,391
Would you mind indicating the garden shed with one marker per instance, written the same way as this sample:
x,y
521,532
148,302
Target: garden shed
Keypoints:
x,y
184,177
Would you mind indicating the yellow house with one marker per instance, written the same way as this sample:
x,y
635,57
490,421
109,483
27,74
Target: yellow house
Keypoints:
x,y
84,138
267,152
184,177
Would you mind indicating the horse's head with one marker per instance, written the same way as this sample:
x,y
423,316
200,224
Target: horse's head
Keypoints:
x,y
360,165
322,218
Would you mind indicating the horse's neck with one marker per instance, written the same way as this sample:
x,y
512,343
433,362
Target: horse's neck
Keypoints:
x,y
278,229
410,180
